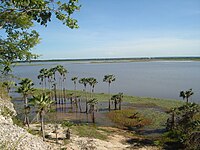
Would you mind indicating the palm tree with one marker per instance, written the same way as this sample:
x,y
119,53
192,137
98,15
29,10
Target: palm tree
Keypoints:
x,y
62,71
92,82
92,103
43,103
74,80
53,70
84,81
186,94
42,76
109,78
120,96
114,98
26,88
117,100
8,85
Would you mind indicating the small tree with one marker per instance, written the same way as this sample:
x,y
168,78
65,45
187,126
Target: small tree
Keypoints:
x,y
92,103
42,102
186,94
26,88
8,85
117,100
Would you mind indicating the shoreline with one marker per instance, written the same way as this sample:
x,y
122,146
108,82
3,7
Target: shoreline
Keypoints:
x,y
117,60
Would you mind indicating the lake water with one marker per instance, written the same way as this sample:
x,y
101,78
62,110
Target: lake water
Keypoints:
x,y
160,79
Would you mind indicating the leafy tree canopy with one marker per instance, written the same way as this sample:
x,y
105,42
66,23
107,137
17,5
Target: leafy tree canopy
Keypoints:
x,y
17,17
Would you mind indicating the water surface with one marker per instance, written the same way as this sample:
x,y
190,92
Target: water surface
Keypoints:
x,y
148,79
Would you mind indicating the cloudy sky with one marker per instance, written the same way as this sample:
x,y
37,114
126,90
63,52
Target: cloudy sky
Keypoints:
x,y
125,28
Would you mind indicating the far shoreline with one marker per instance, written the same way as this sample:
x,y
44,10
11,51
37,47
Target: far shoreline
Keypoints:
x,y
119,60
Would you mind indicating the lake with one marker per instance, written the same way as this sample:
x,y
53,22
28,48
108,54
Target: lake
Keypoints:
x,y
160,79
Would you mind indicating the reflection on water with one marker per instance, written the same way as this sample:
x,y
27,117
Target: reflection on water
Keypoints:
x,y
62,112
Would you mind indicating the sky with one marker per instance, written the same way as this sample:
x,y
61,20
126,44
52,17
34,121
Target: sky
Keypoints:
x,y
125,28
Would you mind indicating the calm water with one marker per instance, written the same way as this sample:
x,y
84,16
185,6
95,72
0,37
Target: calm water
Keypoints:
x,y
147,79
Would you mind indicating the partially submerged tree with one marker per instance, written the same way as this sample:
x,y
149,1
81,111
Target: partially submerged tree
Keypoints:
x,y
92,82
92,103
84,81
109,79
17,17
117,100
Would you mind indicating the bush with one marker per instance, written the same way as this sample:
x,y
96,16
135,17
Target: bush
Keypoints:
x,y
6,112
184,125
67,124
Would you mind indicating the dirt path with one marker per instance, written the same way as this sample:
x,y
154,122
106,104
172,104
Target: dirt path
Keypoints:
x,y
117,140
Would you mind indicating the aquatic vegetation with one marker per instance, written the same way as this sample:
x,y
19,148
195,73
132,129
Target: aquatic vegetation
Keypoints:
x,y
128,118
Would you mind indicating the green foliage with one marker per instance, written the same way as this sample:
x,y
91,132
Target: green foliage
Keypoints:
x,y
89,131
184,125
186,94
26,87
128,118
34,132
6,112
17,18
109,78
17,121
42,102
67,124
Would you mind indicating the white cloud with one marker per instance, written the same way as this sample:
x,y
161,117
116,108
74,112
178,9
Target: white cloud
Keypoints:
x,y
147,47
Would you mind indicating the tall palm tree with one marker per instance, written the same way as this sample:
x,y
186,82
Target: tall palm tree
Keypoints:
x,y
43,76
53,70
74,80
92,103
109,79
186,94
92,82
42,103
63,72
84,81
26,88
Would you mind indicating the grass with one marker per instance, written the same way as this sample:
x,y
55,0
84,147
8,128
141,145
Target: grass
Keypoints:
x,y
103,97
158,119
89,131
128,118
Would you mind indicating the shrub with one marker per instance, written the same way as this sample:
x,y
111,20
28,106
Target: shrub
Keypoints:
x,y
184,125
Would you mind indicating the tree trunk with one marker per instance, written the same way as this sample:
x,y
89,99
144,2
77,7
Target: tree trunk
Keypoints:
x,y
86,103
79,102
42,126
26,119
93,117
115,104
55,92
120,105
109,96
